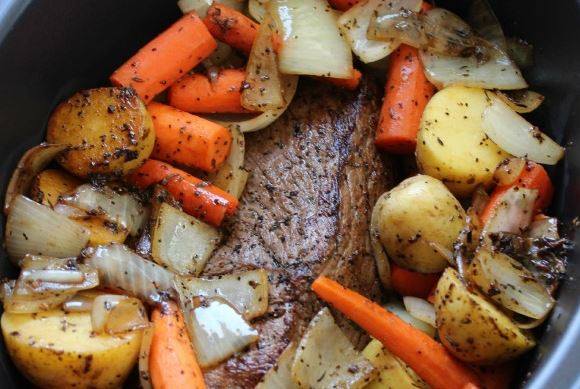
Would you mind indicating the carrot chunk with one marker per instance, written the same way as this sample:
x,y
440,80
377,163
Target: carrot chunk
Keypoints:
x,y
231,27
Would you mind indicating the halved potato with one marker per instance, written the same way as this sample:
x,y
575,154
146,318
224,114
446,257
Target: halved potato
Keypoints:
x,y
110,131
451,144
54,349
472,328
417,212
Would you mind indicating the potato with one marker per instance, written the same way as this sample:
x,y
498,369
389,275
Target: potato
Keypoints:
x,y
418,211
472,328
50,184
393,373
451,144
110,129
57,350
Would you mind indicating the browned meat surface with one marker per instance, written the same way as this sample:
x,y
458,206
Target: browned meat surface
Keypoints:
x,y
315,175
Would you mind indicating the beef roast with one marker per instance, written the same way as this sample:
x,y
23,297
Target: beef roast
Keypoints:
x,y
314,176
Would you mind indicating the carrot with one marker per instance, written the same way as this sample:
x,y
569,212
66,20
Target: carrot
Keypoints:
x,y
346,83
406,94
533,176
198,198
231,27
166,58
342,5
172,361
196,93
187,139
410,283
427,357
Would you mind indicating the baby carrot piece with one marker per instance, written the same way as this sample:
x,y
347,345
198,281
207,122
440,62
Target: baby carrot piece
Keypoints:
x,y
189,140
346,83
533,176
406,93
342,5
196,93
410,283
172,361
231,27
425,356
198,198
166,58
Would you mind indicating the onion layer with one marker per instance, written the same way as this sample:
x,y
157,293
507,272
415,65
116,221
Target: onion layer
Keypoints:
x,y
325,358
514,134
120,268
115,314
509,283
24,301
31,163
217,330
420,309
514,213
521,101
508,171
380,254
247,292
232,176
401,312
40,274
36,229
144,351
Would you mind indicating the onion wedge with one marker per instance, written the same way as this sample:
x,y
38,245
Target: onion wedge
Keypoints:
x,y
232,176
247,292
266,118
280,375
508,171
24,301
521,101
115,314
354,24
510,284
31,163
420,309
32,228
40,274
515,135
217,330
312,43
401,312
144,351
120,268
514,213
180,242
119,208
325,358
380,254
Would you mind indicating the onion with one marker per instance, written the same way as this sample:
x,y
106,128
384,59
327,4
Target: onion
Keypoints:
x,y
546,227
515,135
120,268
514,213
263,84
200,7
420,309
115,314
396,308
280,375
144,351
69,211
354,24
264,119
32,228
509,171
325,358
509,283
498,72
217,330
483,20
80,302
257,9
521,100
381,258
180,242
40,274
31,163
119,208
247,292
312,43
232,176
17,299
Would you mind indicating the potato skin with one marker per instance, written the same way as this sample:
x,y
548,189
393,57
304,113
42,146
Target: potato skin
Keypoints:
x,y
451,144
472,328
56,350
109,128
417,211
